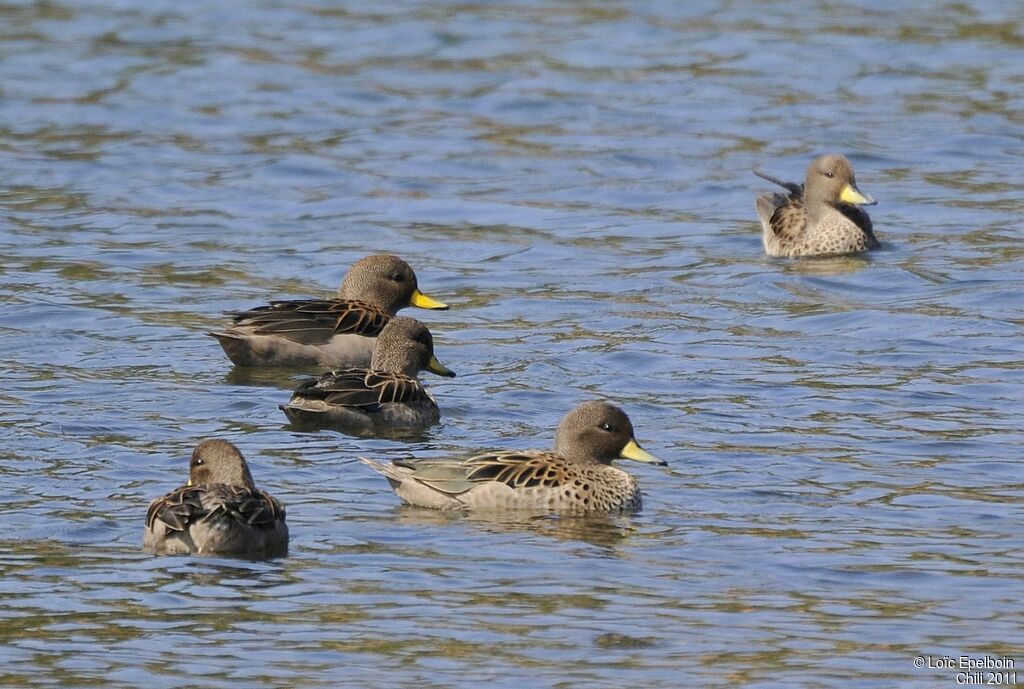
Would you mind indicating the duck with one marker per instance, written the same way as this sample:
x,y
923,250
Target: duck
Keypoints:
x,y
577,476
385,398
822,217
220,511
328,333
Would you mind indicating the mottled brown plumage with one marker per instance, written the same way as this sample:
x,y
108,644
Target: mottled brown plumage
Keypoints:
x,y
386,397
314,321
219,512
333,333
819,218
577,476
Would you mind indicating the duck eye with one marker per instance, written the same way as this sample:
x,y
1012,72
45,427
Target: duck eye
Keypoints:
x,y
607,427
397,277
830,174
199,462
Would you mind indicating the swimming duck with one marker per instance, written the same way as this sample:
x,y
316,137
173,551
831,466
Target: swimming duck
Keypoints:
x,y
577,476
331,333
385,397
218,512
822,217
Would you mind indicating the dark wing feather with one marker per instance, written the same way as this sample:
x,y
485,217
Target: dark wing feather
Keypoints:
x,y
790,219
395,387
250,507
177,509
519,470
190,504
357,387
514,469
346,388
313,321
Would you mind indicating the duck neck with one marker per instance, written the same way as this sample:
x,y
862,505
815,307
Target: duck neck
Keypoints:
x,y
816,207
574,453
390,364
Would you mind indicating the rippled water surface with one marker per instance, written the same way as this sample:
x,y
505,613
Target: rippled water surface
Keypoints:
x,y
844,491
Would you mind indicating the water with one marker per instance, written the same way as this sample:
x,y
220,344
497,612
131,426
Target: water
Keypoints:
x,y
844,435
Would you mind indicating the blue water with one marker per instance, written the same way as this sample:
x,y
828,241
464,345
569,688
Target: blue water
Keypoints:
x,y
844,491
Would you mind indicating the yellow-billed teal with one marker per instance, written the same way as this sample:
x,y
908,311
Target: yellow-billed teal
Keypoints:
x,y
219,512
331,333
822,217
577,476
384,398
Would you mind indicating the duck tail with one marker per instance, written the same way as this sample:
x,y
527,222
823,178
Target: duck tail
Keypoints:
x,y
788,186
391,472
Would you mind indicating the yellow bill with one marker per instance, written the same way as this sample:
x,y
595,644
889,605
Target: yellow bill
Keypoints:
x,y
851,194
435,366
424,302
639,454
